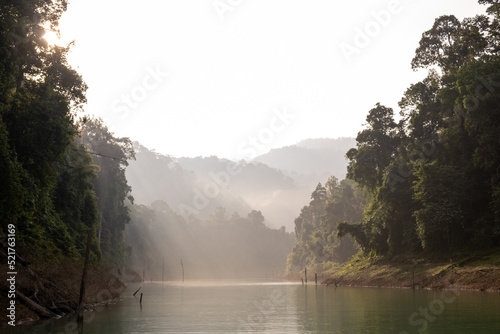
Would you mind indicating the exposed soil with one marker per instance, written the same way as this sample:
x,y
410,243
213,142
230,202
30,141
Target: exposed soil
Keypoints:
x,y
480,274
55,287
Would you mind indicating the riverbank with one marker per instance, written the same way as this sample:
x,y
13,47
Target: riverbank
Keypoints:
x,y
51,289
479,273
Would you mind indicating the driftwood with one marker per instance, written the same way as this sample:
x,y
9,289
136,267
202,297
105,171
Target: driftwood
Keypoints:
x,y
37,308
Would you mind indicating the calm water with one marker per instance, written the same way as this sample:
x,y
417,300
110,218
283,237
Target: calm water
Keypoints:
x,y
287,308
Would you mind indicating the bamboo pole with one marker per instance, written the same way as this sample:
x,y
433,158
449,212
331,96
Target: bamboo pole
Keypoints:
x,y
182,264
413,283
84,277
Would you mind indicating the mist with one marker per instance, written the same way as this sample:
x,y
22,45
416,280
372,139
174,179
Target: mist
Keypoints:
x,y
221,218
164,152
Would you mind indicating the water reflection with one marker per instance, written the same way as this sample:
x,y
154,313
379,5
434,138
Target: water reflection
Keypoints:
x,y
242,307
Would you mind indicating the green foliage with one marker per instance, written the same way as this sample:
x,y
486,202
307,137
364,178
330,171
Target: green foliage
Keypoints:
x,y
75,198
493,9
439,190
376,146
316,240
46,185
434,177
39,93
450,44
111,188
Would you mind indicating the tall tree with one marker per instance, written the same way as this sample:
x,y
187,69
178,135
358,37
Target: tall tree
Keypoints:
x,y
377,145
449,44
39,93
111,154
439,190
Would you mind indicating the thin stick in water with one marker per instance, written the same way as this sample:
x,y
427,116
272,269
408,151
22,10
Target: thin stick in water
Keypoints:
x,y
84,276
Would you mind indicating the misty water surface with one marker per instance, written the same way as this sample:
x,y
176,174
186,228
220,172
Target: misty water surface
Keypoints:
x,y
208,307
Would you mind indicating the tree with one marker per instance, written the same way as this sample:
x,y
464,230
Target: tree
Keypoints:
x,y
256,217
39,94
113,192
440,190
494,7
422,109
75,199
316,241
449,44
376,147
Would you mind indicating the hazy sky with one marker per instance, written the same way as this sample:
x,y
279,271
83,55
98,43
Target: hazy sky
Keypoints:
x,y
235,78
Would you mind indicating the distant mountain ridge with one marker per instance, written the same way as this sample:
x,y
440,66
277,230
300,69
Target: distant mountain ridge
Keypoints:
x,y
278,183
311,160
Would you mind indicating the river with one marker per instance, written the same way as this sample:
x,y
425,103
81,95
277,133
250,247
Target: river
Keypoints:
x,y
236,307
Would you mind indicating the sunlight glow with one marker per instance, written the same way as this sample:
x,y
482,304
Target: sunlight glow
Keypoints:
x,y
52,38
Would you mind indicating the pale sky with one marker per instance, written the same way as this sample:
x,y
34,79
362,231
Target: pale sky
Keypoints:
x,y
235,78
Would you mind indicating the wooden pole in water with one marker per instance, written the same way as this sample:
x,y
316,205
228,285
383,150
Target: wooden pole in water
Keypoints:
x,y
305,274
140,300
84,277
182,271
316,278
413,284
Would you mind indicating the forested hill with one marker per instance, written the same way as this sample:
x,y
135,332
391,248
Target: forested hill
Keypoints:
x,y
431,180
312,160
197,186
277,184
155,176
196,210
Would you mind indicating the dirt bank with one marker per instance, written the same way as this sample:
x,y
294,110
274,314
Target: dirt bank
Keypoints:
x,y
48,290
480,273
